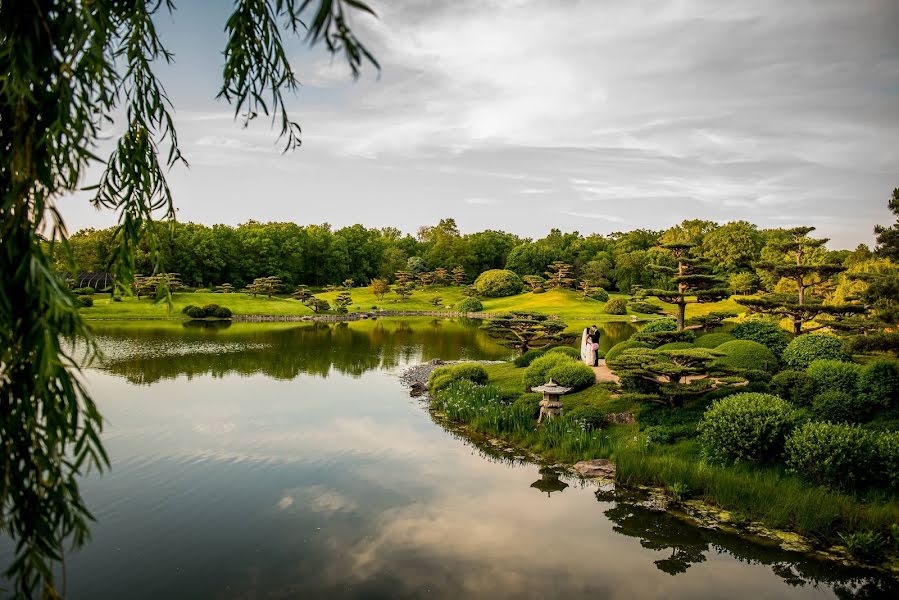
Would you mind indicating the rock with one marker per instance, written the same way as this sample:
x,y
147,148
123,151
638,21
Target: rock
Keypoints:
x,y
600,468
416,389
623,418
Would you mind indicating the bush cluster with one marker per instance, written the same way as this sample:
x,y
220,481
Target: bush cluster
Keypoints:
x,y
206,311
834,375
837,406
528,357
765,333
807,348
85,301
879,381
844,456
84,291
538,371
442,377
471,305
573,374
713,340
588,417
498,283
657,325
795,386
676,346
620,347
746,427
645,308
566,350
616,306
745,355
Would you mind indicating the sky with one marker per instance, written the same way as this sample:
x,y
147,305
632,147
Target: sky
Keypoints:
x,y
523,115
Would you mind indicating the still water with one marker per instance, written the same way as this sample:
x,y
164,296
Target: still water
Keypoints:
x,y
287,461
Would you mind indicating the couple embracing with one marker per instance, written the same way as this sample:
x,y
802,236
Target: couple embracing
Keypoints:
x,y
590,346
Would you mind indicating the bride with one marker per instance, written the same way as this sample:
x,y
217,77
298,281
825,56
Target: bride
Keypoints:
x,y
588,354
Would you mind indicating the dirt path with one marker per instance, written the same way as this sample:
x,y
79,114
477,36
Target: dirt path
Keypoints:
x,y
603,373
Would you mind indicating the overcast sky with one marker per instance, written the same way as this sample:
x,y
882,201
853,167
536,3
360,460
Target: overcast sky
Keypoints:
x,y
523,115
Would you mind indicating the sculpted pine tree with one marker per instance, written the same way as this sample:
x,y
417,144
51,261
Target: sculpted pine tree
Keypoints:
x,y
558,275
68,70
265,286
804,306
534,283
348,284
460,277
301,293
403,278
343,302
692,281
523,331
441,276
225,288
317,305
436,301
587,288
402,290
425,278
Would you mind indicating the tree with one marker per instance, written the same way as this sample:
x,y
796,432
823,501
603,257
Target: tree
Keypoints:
x,y
459,275
888,237
343,301
225,288
441,276
267,286
558,275
436,301
733,246
692,280
795,248
380,288
403,278
534,283
587,288
523,331
599,271
402,290
348,284
674,375
68,68
317,305
743,283
416,265
425,278
301,293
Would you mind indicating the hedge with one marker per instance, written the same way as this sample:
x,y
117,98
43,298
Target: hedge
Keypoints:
x,y
748,426
659,325
879,381
574,374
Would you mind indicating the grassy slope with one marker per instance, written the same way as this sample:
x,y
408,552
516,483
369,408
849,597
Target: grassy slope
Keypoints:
x,y
566,304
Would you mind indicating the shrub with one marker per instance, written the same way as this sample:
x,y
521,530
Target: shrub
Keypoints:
x,y
529,402
528,357
765,333
538,372
588,417
497,283
659,325
620,347
203,290
844,456
794,386
804,349
713,340
645,308
601,295
837,406
210,309
873,342
84,291
195,312
657,338
471,305
879,381
187,308
676,346
867,545
746,426
441,377
223,312
566,350
834,375
116,298
85,301
746,354
573,374
616,306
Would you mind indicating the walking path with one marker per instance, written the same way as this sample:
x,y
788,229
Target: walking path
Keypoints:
x,y
603,373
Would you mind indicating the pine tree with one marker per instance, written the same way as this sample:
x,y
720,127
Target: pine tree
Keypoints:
x,y
343,301
225,288
302,293
558,275
523,331
441,276
460,277
693,282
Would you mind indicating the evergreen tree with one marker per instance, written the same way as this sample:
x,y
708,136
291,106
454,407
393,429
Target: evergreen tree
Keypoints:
x,y
301,293
558,275
225,288
343,301
692,279
459,275
523,331
888,237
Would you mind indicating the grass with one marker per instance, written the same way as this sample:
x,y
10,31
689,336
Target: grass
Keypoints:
x,y
568,305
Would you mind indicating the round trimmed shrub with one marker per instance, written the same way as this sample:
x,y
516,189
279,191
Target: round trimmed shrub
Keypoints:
x,y
879,381
746,427
441,377
837,406
834,375
187,308
844,456
498,283
85,301
620,347
676,346
528,357
210,309
805,349
746,354
601,295
795,386
470,305
616,306
566,350
713,340
195,312
574,374
765,333
657,325
223,312
538,372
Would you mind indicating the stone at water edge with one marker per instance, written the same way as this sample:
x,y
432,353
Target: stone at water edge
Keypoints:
x,y
596,468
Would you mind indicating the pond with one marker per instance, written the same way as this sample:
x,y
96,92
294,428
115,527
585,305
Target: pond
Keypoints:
x,y
287,460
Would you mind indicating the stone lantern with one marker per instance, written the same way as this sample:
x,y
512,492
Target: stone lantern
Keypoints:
x,y
549,481
551,405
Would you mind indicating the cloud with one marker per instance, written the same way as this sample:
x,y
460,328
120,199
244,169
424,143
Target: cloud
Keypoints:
x,y
600,216
480,201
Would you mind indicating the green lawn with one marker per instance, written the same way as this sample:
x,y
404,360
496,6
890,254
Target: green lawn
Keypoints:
x,y
568,305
